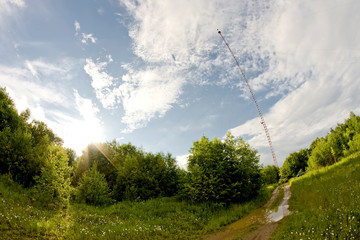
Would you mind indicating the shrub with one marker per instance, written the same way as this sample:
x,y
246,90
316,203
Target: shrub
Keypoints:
x,y
93,188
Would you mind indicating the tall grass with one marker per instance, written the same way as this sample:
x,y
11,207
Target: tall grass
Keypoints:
x,y
325,204
163,218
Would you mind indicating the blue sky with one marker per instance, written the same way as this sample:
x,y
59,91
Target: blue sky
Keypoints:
x,y
156,73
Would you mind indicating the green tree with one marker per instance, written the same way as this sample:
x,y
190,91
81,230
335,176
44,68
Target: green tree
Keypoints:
x,y
270,174
145,175
354,145
296,162
321,155
53,185
223,171
9,117
23,145
101,155
93,188
71,156
17,156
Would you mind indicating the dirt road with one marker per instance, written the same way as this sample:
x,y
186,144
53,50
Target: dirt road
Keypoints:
x,y
260,224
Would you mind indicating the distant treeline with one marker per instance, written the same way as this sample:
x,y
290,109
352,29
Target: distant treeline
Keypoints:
x,y
31,154
340,142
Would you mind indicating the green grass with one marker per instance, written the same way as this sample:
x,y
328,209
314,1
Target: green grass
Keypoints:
x,y
164,218
325,204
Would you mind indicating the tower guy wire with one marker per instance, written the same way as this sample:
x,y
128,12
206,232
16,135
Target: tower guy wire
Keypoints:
x,y
256,104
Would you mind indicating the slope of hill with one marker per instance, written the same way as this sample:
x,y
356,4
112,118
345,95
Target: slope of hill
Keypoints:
x,y
325,203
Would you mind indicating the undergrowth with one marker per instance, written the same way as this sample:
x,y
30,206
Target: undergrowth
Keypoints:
x,y
325,203
163,218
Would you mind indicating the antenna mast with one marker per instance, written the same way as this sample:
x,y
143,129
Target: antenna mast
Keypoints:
x,y
256,104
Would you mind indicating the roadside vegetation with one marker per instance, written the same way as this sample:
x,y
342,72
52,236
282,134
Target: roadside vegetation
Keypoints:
x,y
325,203
325,200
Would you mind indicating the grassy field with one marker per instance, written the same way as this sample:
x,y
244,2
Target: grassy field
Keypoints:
x,y
164,218
325,204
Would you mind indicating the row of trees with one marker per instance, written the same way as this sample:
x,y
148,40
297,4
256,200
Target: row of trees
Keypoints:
x,y
125,172
218,171
338,143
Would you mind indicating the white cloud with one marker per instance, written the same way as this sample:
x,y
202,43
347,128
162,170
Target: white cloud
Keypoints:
x,y
86,108
306,52
85,38
77,26
180,39
8,6
148,94
144,94
316,61
102,82
28,90
8,11
88,37
182,161
170,42
163,30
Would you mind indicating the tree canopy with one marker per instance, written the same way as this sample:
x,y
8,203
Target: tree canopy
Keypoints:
x,y
222,171
338,143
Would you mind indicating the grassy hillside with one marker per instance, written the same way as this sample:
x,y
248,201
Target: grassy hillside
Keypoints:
x,y
325,204
164,218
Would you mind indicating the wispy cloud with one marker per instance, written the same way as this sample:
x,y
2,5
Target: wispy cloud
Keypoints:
x,y
318,69
148,94
26,86
170,44
88,38
26,89
84,37
77,27
8,11
7,7
144,94
102,82
297,51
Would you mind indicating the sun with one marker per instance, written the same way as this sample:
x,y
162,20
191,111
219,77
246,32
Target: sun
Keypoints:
x,y
81,133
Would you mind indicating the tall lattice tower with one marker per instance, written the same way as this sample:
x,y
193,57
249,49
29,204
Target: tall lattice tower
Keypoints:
x,y
256,104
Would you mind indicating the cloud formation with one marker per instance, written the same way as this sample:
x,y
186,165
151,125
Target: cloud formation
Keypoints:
x,y
315,58
297,51
7,7
8,12
144,94
148,94
85,38
102,82
28,89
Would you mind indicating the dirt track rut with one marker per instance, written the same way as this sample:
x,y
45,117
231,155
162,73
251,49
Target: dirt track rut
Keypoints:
x,y
258,225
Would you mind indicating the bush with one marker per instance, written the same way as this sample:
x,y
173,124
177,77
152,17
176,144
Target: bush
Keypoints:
x,y
93,188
